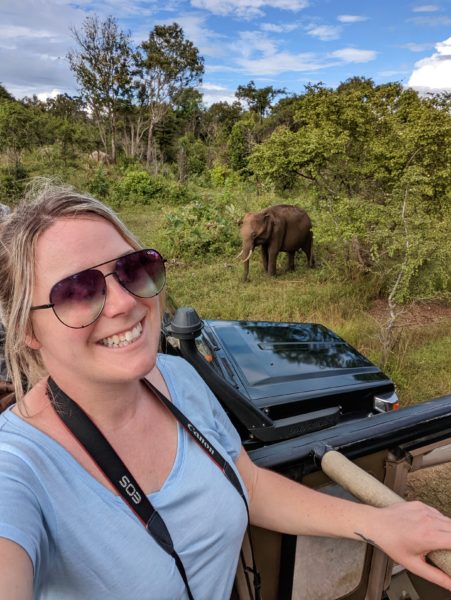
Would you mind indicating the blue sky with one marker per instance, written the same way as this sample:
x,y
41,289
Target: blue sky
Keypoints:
x,y
284,43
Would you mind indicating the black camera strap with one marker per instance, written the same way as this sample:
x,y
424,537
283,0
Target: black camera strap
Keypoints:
x,y
110,463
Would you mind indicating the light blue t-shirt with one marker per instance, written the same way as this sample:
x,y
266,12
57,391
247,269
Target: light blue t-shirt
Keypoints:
x,y
86,544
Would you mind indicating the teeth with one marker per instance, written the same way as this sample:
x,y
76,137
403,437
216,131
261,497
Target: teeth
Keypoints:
x,y
123,339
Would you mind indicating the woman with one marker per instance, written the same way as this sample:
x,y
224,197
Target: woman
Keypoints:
x,y
81,307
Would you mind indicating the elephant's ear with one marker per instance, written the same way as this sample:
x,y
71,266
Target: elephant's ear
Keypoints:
x,y
269,222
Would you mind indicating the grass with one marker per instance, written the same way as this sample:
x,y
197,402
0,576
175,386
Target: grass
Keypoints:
x,y
212,285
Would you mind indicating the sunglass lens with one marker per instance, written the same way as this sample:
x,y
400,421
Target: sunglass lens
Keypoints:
x,y
78,300
142,273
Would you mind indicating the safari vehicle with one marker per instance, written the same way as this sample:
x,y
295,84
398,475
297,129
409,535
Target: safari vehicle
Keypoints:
x,y
295,391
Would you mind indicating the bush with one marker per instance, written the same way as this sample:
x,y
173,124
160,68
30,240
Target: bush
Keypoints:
x,y
202,228
12,182
137,186
99,185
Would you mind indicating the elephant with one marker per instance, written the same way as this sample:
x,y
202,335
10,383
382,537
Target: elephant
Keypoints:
x,y
100,157
279,228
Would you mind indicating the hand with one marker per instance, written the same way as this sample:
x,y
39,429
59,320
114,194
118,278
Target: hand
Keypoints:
x,y
407,532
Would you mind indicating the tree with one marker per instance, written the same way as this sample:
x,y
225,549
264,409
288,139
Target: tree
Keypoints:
x,y
377,159
4,94
259,100
19,129
102,65
168,63
69,124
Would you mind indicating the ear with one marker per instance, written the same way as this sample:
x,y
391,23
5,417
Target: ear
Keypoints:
x,y
32,342
268,220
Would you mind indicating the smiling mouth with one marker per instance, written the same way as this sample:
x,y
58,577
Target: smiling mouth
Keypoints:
x,y
123,339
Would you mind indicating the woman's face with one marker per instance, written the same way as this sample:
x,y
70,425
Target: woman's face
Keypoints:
x,y
92,354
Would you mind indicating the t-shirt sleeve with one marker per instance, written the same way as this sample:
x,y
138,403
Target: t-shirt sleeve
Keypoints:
x,y
229,436
21,516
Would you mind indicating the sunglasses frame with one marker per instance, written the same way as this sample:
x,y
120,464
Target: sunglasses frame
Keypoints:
x,y
95,267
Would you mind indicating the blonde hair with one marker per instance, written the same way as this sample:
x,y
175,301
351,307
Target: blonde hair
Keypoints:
x,y
19,232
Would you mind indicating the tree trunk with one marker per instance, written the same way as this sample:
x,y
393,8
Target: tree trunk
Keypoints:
x,y
150,158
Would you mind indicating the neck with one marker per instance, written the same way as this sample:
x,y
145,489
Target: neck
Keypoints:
x,y
109,405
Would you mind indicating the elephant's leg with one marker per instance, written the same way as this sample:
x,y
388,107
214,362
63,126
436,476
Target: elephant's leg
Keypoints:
x,y
264,251
272,261
290,261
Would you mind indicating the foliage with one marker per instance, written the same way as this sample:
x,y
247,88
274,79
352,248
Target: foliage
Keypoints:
x,y
138,187
99,184
4,94
241,141
378,159
168,63
201,228
102,65
191,157
19,128
258,100
12,183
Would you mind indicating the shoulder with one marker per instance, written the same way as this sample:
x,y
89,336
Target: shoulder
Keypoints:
x,y
191,394
176,368
186,387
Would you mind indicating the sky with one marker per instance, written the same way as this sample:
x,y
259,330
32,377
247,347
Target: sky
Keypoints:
x,y
284,43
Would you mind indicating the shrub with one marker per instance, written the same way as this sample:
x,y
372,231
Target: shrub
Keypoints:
x,y
99,184
137,186
12,182
201,228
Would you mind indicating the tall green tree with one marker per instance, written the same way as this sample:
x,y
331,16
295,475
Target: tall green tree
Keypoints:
x,y
103,67
259,100
168,63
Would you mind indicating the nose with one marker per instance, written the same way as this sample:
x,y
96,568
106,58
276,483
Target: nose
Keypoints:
x,y
118,301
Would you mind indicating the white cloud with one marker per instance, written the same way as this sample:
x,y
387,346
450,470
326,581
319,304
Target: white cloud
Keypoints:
x,y
280,62
426,8
259,55
213,92
393,73
208,42
433,73
282,28
438,21
353,55
252,42
52,94
325,33
414,47
213,87
8,32
351,18
248,8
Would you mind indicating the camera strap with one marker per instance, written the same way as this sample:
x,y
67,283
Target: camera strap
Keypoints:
x,y
110,463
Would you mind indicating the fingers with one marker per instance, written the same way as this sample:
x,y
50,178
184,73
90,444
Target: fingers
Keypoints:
x,y
425,570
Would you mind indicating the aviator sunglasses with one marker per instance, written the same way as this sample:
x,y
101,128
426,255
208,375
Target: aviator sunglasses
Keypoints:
x,y
78,300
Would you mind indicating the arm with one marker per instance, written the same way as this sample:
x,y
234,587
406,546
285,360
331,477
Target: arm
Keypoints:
x,y
16,572
406,531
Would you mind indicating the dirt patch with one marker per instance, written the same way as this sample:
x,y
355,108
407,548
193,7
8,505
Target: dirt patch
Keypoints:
x,y
432,486
416,314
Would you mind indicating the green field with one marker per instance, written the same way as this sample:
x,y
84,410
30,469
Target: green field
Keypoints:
x,y
419,362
